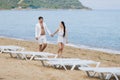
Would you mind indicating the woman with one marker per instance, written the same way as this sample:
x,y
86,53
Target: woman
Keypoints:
x,y
62,37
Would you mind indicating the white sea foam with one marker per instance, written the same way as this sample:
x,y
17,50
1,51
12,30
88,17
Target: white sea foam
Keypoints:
x,y
93,48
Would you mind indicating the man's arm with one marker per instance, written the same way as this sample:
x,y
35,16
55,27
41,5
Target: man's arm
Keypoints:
x,y
36,32
48,30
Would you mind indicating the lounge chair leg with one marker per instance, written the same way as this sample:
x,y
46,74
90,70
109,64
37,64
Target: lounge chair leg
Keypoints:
x,y
102,76
1,51
32,57
18,56
24,57
116,78
11,55
108,76
88,74
43,63
73,67
56,56
64,67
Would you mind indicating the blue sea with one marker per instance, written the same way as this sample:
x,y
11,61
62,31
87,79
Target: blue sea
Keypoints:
x,y
97,29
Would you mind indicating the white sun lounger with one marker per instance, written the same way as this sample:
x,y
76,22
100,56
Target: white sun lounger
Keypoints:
x,y
102,71
57,59
68,62
10,48
23,54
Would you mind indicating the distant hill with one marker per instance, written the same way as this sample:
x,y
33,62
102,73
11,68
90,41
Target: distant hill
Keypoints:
x,y
42,4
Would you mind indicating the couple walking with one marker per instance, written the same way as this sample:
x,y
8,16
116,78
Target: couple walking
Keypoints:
x,y
40,34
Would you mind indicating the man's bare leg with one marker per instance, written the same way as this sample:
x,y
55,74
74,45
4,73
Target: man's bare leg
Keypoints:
x,y
44,46
40,47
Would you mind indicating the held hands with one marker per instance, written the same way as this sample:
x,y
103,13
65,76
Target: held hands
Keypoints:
x,y
52,35
36,38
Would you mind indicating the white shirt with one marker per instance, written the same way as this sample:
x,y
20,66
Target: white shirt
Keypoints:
x,y
38,30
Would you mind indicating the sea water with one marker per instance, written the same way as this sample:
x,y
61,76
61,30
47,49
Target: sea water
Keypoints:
x,y
98,29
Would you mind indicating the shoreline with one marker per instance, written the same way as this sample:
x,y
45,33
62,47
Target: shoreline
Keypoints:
x,y
20,9
108,51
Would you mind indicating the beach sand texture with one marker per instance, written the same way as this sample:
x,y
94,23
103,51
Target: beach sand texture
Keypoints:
x,y
15,69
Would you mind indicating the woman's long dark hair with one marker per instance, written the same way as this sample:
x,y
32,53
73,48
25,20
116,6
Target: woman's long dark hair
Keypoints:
x,y
64,28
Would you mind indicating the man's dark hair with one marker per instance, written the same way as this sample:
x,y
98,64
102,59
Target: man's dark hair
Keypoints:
x,y
40,17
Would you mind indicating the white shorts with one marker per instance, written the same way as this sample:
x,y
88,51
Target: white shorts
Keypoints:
x,y
42,39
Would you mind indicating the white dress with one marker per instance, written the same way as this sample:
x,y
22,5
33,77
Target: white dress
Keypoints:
x,y
61,39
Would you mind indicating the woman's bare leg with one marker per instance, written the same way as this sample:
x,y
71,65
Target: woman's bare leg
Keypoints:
x,y
60,50
62,47
59,45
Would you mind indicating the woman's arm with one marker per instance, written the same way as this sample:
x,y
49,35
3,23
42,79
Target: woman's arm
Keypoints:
x,y
55,32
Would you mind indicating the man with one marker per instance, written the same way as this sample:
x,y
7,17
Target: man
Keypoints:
x,y
40,34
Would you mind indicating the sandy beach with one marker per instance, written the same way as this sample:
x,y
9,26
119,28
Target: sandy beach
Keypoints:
x,y
15,69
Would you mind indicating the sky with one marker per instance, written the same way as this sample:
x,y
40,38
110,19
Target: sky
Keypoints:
x,y
102,4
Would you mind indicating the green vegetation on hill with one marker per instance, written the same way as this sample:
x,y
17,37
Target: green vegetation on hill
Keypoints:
x,y
48,4
8,4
